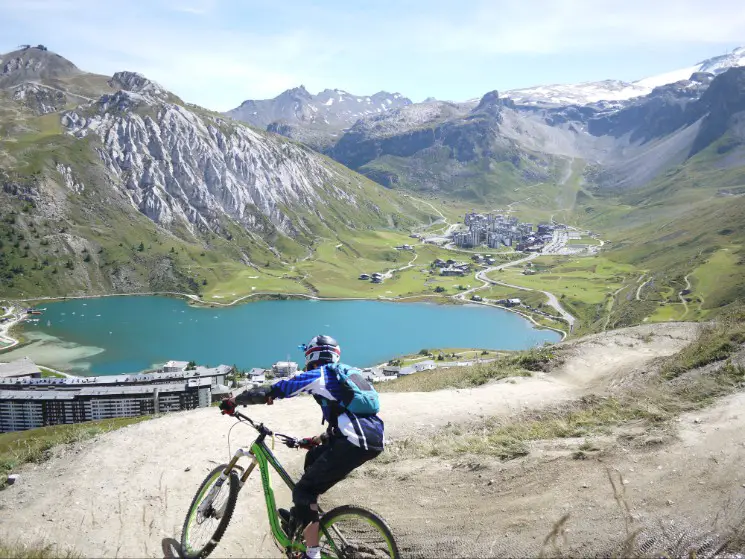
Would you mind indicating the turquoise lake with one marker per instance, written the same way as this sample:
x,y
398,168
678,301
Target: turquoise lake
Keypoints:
x,y
112,335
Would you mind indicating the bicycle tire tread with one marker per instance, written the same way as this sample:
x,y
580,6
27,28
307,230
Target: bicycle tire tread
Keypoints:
x,y
224,521
363,512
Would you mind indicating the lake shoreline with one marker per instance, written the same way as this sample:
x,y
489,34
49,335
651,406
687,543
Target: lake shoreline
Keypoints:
x,y
191,302
197,301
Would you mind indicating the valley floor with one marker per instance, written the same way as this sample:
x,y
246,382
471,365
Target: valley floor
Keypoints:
x,y
126,493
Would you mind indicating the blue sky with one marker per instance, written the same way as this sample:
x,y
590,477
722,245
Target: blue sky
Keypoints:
x,y
218,53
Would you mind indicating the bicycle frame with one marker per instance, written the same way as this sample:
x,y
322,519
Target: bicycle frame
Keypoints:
x,y
261,455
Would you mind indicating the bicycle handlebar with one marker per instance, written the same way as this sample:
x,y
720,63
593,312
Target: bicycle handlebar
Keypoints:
x,y
290,442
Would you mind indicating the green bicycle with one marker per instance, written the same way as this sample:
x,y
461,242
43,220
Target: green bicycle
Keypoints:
x,y
346,531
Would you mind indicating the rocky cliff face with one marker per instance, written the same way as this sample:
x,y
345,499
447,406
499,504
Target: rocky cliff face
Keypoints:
x,y
137,83
440,146
401,132
661,112
39,99
723,105
175,164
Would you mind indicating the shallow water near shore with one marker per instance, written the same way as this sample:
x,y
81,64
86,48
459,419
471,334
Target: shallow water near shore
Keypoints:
x,y
114,335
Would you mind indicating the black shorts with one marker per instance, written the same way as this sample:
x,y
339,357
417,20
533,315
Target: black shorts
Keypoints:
x,y
326,465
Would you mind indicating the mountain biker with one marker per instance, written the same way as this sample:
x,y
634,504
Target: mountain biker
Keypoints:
x,y
350,440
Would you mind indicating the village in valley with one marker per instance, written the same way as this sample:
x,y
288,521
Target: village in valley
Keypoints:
x,y
503,233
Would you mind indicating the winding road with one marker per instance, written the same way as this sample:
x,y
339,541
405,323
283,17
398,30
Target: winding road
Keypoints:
x,y
682,298
639,289
442,219
486,281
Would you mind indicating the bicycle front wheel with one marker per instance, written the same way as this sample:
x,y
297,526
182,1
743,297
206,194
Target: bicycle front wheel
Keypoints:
x,y
352,532
206,521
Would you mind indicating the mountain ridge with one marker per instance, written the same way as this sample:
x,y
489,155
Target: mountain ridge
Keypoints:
x,y
617,90
314,119
135,161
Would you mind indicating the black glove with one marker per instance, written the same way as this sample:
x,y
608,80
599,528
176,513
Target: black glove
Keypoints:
x,y
227,405
309,442
258,395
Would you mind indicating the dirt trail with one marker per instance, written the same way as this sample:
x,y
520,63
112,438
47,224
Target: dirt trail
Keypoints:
x,y
682,297
127,492
641,286
512,506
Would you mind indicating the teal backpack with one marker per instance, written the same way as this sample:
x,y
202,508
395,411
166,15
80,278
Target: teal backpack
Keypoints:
x,y
359,396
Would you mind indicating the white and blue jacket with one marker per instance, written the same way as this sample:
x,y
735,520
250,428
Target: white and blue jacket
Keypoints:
x,y
365,432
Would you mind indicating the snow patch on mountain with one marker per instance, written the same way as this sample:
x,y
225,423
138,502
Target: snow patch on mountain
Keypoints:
x,y
616,90
668,77
577,94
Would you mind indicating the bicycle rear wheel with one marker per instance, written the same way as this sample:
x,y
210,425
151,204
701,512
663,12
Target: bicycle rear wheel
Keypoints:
x,y
203,530
352,532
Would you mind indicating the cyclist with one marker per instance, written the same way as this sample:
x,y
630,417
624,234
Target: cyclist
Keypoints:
x,y
350,440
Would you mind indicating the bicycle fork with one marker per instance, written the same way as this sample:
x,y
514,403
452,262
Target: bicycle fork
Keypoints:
x,y
205,506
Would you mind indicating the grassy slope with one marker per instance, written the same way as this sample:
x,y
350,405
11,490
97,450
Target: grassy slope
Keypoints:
x,y
583,284
496,176
687,222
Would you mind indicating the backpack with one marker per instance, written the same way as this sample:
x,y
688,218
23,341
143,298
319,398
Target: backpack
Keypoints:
x,y
359,396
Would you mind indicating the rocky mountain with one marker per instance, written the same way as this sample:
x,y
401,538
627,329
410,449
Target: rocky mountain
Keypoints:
x,y
441,146
488,150
526,137
176,165
44,81
616,90
136,161
315,119
32,64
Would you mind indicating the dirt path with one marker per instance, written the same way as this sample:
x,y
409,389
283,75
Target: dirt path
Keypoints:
x,y
389,273
682,297
442,219
679,491
127,492
610,305
639,289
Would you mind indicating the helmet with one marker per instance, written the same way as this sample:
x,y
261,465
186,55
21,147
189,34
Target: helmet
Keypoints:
x,y
321,350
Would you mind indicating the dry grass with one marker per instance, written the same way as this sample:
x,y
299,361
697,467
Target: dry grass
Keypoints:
x,y
452,377
723,538
716,342
19,550
652,406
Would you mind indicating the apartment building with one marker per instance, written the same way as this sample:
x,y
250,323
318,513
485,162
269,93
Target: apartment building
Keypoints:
x,y
27,409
